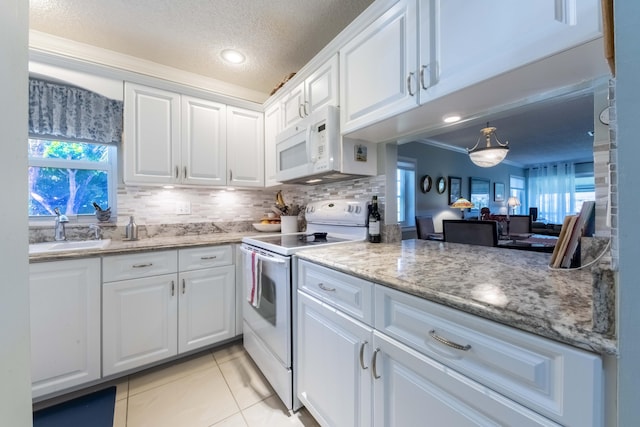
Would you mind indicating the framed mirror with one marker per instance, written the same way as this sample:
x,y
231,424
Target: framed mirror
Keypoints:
x,y
479,193
425,184
441,185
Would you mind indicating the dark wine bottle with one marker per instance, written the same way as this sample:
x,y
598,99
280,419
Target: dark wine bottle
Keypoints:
x,y
374,221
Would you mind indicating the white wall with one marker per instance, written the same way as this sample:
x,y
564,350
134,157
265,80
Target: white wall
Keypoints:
x,y
15,358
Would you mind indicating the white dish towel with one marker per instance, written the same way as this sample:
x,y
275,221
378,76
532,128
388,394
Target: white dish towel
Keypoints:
x,y
253,274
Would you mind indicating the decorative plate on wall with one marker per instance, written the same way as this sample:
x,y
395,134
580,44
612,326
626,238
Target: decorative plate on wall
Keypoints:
x,y
441,185
425,184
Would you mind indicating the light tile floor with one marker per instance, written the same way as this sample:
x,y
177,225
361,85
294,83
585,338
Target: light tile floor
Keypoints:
x,y
217,388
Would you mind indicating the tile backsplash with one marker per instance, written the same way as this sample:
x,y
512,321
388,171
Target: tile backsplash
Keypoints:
x,y
212,210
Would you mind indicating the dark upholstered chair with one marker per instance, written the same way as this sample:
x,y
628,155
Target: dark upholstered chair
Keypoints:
x,y
484,233
425,229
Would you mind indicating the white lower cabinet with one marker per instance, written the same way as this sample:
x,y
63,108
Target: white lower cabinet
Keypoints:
x,y
331,381
65,324
149,317
411,389
417,363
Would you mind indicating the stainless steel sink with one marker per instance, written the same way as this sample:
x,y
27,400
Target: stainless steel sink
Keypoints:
x,y
78,245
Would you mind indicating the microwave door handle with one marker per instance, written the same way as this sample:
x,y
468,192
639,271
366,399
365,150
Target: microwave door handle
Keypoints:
x,y
263,257
309,143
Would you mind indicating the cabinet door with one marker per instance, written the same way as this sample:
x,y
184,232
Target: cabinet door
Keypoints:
x,y
272,127
245,147
411,389
292,106
378,69
467,42
65,324
206,312
204,142
139,322
151,135
331,381
321,87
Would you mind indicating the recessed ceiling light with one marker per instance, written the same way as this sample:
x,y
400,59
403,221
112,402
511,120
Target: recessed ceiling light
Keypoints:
x,y
232,56
451,118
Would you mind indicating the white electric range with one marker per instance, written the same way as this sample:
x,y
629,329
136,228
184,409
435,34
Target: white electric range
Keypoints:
x,y
268,260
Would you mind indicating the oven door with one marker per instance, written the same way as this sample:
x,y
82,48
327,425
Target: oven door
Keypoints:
x,y
270,319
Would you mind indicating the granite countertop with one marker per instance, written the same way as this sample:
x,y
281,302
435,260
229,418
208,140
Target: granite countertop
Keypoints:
x,y
145,245
512,287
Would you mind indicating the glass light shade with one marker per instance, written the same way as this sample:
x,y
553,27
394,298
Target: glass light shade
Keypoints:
x,y
487,157
462,203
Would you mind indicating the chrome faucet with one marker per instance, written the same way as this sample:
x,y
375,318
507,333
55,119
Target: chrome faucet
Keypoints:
x,y
59,230
97,230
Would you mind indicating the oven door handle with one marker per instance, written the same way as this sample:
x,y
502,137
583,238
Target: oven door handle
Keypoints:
x,y
264,257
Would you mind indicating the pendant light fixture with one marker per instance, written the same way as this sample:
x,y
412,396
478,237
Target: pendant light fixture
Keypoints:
x,y
488,156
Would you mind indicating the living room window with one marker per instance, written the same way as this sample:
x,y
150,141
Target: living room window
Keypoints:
x,y
406,191
559,189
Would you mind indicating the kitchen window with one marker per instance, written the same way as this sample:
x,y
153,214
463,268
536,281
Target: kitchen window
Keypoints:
x,y
70,176
73,138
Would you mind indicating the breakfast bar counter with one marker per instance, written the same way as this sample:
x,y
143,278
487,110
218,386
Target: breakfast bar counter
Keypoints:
x,y
515,288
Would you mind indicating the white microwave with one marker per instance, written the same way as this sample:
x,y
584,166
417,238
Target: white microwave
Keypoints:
x,y
311,152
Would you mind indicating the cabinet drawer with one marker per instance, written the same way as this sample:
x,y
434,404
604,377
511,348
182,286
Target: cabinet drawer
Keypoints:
x,y
210,256
132,266
556,380
349,294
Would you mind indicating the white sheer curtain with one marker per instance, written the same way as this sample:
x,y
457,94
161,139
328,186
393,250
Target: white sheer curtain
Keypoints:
x,y
551,189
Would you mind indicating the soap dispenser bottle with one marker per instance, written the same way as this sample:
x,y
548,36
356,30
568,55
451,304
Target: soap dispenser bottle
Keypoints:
x,y
131,230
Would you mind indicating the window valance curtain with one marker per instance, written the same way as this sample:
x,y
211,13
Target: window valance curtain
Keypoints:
x,y
59,111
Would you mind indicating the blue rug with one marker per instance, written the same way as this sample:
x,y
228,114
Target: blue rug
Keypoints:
x,y
92,410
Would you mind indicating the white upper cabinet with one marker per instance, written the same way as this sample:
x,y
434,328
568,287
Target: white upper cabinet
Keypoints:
x,y
204,142
245,147
421,50
272,127
317,90
173,139
151,135
462,42
378,68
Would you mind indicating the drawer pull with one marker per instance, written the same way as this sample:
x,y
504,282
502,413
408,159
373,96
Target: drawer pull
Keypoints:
x,y
374,364
184,285
208,257
142,265
173,288
362,355
324,288
432,334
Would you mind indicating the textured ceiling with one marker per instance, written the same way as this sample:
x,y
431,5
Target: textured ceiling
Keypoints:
x,y
277,36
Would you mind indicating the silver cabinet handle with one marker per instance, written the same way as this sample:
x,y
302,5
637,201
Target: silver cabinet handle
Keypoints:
x,y
184,285
230,175
300,114
362,355
422,72
409,78
374,364
304,108
173,288
185,172
142,265
324,288
208,257
177,172
432,334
